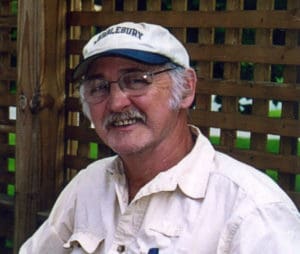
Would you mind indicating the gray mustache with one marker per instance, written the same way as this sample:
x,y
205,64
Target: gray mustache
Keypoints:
x,y
123,116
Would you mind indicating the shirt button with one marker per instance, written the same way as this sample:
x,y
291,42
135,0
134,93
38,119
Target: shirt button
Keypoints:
x,y
121,248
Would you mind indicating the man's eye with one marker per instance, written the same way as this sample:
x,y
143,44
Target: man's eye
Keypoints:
x,y
97,88
136,80
139,80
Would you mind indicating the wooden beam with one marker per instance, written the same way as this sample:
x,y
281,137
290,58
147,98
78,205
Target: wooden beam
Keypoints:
x,y
40,96
245,53
265,160
228,53
252,89
180,19
8,21
259,124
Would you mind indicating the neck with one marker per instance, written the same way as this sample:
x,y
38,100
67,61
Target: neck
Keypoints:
x,y
142,167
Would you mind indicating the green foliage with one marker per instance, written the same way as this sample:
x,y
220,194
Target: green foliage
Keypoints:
x,y
275,113
280,4
277,73
13,87
247,71
242,143
166,5
220,5
297,182
9,244
248,36
12,139
11,190
273,145
273,174
11,164
214,140
219,35
93,151
14,7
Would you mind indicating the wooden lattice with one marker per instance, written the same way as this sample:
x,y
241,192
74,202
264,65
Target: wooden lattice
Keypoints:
x,y
246,54
8,23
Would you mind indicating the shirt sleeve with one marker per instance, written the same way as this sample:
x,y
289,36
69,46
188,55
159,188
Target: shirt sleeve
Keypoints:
x,y
57,229
272,229
45,240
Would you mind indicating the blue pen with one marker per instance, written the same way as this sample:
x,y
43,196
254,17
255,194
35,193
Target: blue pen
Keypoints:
x,y
153,251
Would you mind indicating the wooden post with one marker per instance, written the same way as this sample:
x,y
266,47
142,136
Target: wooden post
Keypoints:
x,y
231,72
205,37
288,145
262,73
40,114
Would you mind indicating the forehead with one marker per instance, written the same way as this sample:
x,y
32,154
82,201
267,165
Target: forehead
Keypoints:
x,y
115,64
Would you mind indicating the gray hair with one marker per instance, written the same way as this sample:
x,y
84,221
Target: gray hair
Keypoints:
x,y
179,89
85,105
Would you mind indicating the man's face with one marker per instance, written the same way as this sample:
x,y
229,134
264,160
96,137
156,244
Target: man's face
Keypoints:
x,y
152,122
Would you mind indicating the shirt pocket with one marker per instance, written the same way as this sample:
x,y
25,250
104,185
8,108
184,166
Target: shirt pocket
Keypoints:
x,y
162,235
83,242
166,228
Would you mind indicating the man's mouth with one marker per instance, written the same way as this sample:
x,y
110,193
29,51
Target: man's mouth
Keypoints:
x,y
124,122
123,119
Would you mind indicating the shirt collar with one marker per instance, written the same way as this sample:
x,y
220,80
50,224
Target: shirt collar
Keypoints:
x,y
191,174
195,168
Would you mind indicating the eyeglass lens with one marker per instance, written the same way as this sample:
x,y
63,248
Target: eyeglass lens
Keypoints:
x,y
97,90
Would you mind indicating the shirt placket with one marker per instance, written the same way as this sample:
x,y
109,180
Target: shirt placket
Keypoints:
x,y
128,227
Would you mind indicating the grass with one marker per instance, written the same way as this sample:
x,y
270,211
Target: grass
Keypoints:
x,y
275,113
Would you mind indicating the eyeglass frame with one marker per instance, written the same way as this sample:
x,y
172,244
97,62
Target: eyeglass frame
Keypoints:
x,y
122,86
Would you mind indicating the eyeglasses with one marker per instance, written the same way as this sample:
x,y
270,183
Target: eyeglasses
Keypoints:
x,y
96,90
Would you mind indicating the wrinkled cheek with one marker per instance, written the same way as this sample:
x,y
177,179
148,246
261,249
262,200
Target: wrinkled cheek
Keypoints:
x,y
101,133
97,116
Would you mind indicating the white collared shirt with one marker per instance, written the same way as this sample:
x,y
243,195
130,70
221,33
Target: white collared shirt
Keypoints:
x,y
206,204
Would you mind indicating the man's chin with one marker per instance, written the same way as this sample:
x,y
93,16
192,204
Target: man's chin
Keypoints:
x,y
131,144
125,151
127,139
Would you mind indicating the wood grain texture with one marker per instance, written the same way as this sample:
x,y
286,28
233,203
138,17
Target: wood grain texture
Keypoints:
x,y
39,149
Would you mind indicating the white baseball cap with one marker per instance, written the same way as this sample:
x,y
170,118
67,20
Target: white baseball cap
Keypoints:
x,y
143,42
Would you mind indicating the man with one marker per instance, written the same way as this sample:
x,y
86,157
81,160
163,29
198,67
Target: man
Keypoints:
x,y
167,190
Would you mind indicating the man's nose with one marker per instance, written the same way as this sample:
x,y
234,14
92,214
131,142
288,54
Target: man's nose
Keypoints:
x,y
118,100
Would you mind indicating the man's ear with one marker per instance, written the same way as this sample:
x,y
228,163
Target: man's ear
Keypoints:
x,y
190,84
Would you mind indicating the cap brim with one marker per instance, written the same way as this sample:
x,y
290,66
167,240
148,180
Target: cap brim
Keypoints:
x,y
138,55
